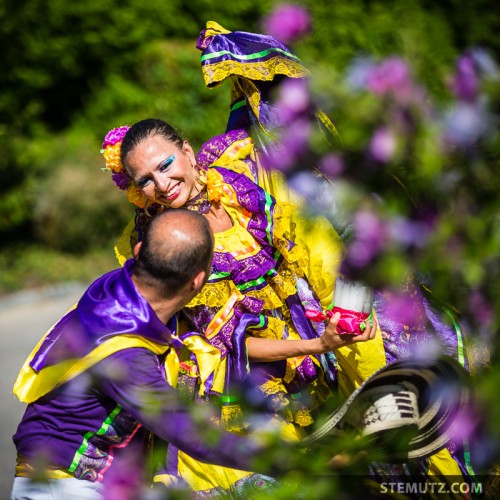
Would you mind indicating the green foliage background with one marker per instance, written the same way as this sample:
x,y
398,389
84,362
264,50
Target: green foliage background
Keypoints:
x,y
70,71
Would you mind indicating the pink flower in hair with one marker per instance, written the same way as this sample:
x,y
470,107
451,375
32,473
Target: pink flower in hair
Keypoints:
x,y
115,136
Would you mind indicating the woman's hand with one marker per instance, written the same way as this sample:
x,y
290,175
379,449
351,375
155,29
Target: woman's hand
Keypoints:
x,y
273,350
331,340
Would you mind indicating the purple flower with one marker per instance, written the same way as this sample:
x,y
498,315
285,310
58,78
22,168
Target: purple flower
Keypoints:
x,y
124,480
331,165
484,63
391,75
405,309
294,144
306,184
465,123
114,136
369,237
287,22
480,307
318,195
293,100
358,73
121,179
465,421
382,145
465,83
408,232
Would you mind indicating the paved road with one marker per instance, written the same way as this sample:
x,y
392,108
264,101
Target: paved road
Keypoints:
x,y
24,318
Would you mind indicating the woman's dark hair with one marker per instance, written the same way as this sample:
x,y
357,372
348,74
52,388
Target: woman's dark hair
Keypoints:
x,y
145,129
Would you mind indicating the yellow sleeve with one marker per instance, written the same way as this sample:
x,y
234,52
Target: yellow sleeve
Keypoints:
x,y
325,249
123,248
234,155
273,182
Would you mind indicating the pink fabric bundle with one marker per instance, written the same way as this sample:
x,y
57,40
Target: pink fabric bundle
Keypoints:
x,y
350,322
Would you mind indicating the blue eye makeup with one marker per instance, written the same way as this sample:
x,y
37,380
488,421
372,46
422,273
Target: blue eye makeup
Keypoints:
x,y
165,164
142,183
162,167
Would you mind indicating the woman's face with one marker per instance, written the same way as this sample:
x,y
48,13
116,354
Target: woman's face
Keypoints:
x,y
163,171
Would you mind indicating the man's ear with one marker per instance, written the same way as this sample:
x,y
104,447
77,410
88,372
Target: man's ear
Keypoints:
x,y
136,249
199,281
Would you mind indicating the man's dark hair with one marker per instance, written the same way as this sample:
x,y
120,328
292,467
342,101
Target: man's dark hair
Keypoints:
x,y
145,129
177,245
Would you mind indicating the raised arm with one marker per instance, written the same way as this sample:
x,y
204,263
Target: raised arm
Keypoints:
x,y
141,390
273,350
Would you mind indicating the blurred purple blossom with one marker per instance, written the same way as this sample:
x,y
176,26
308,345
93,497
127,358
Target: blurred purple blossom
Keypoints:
x,y
121,179
409,232
391,75
331,165
465,82
465,421
306,184
293,145
358,73
424,346
370,235
480,308
485,64
287,22
318,194
125,478
404,309
382,145
464,123
294,100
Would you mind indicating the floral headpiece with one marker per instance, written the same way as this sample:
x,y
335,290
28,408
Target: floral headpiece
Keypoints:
x,y
111,148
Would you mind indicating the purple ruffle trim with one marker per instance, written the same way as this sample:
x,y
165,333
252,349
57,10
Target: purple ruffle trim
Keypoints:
x,y
212,150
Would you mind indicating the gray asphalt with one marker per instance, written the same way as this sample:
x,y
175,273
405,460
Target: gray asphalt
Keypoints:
x,y
24,318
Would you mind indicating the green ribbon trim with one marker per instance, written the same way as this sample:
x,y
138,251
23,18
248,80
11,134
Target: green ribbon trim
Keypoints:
x,y
248,57
249,284
460,338
238,105
267,209
217,276
104,427
244,286
262,322
229,399
467,460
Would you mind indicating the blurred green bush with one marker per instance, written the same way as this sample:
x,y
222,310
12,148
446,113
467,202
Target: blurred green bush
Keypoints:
x,y
71,71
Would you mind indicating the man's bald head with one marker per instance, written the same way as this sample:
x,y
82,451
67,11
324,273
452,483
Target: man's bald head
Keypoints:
x,y
177,245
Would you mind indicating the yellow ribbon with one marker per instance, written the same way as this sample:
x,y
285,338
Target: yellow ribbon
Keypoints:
x,y
214,28
31,385
208,359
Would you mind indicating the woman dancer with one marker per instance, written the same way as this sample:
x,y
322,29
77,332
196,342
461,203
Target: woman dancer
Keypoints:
x,y
255,302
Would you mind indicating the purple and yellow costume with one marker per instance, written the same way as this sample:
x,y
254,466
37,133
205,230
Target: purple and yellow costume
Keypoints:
x,y
89,380
265,269
259,286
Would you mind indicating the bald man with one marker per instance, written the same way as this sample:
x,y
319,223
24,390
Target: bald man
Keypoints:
x,y
98,380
